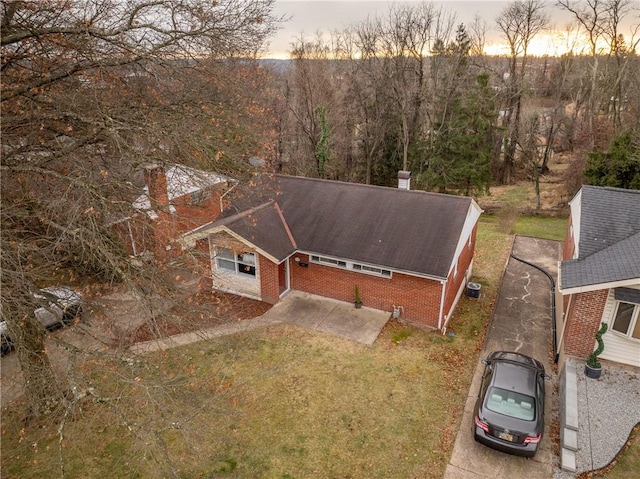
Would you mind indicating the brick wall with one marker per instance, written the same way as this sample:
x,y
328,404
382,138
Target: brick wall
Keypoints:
x,y
419,297
156,235
269,284
189,216
184,217
583,321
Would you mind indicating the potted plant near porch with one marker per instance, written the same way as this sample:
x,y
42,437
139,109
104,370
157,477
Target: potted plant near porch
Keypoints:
x,y
357,300
593,368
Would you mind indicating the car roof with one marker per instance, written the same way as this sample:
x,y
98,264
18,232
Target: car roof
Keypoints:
x,y
62,295
515,377
514,357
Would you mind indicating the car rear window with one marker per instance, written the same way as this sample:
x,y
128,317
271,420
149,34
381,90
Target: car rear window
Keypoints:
x,y
511,403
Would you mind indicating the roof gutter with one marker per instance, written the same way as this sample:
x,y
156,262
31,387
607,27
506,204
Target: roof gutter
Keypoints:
x,y
595,287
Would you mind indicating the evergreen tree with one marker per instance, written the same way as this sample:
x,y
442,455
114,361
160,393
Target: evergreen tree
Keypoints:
x,y
462,138
619,167
461,157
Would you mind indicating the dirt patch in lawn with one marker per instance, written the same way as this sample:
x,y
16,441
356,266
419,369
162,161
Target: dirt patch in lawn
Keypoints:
x,y
204,309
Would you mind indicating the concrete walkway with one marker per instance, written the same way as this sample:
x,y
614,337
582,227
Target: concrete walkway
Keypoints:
x,y
300,309
201,335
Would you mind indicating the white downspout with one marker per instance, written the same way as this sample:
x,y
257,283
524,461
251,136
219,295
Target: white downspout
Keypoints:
x,y
133,241
444,288
565,315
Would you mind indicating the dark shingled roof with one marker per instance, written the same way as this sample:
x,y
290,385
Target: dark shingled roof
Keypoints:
x,y
403,230
262,226
609,248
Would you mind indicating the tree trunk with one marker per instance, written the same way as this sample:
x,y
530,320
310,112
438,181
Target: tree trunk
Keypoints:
x,y
41,388
405,142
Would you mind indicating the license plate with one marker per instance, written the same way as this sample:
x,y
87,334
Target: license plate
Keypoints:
x,y
505,436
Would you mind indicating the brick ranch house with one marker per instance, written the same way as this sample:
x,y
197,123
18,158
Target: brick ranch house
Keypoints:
x,y
174,200
600,275
408,252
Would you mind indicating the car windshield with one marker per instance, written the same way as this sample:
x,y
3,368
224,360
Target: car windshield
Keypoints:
x,y
511,403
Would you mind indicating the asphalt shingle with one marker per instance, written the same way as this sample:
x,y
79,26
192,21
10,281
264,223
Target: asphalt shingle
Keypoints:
x,y
404,230
609,248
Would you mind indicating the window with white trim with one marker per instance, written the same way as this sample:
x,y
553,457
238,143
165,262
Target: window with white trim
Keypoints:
x,y
331,261
372,270
626,321
242,264
361,268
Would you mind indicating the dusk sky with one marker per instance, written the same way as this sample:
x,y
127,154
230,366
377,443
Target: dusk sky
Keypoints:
x,y
310,16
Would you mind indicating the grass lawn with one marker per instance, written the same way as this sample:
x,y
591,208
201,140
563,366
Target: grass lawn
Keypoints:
x,y
538,227
281,402
547,228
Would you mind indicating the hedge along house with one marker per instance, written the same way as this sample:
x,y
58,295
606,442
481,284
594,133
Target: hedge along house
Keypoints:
x,y
408,252
600,275
175,199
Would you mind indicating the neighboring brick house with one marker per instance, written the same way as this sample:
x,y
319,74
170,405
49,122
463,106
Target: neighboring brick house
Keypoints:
x,y
175,199
409,252
600,274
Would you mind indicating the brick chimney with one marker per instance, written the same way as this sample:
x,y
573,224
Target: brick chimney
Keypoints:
x,y
404,180
156,182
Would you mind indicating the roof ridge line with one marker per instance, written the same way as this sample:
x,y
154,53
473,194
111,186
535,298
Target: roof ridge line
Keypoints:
x,y
285,224
379,187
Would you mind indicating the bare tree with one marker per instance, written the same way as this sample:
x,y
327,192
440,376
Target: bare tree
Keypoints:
x,y
88,91
536,147
370,84
520,22
311,95
621,53
406,37
601,20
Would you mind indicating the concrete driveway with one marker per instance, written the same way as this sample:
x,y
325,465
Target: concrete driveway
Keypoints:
x,y
521,322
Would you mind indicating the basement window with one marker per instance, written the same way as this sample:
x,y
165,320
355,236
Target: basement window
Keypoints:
x,y
371,270
331,261
242,264
361,268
